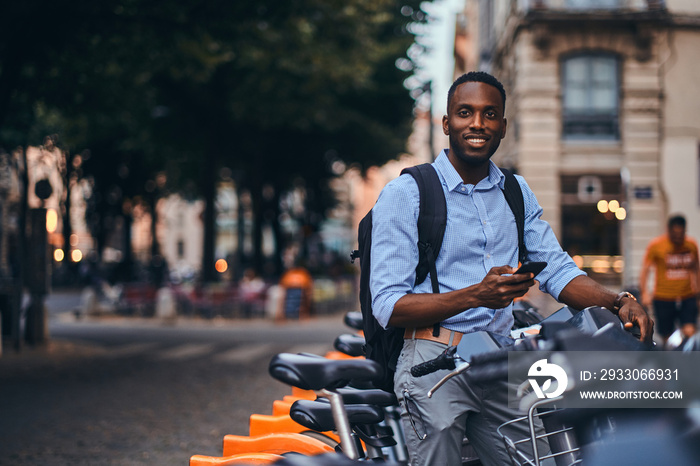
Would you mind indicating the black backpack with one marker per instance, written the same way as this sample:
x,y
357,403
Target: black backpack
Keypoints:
x,y
384,345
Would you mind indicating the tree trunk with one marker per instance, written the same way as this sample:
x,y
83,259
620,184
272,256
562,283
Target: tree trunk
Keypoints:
x,y
155,247
277,234
240,233
258,218
208,272
68,264
128,260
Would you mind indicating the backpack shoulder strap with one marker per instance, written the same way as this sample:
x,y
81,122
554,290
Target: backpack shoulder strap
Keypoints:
x,y
432,219
514,196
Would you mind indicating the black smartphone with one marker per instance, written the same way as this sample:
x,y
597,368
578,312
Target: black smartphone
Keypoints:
x,y
533,267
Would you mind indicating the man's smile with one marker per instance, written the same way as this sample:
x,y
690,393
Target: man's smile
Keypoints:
x,y
476,141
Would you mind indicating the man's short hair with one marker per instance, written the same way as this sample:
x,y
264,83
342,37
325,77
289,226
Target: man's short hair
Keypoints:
x,y
676,220
480,77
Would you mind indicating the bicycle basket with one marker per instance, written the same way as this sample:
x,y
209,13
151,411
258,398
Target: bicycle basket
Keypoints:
x,y
524,451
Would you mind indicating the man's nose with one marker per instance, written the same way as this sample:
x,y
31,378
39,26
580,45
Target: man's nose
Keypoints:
x,y
477,120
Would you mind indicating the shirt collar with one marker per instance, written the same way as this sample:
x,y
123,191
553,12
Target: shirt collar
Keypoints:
x,y
453,181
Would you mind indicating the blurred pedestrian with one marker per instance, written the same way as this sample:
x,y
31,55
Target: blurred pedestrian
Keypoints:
x,y
251,289
674,256
295,302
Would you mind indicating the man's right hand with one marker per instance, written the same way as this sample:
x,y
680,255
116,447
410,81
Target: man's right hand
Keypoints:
x,y
496,291
499,287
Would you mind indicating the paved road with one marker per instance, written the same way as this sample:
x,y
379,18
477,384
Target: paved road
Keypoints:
x,y
118,391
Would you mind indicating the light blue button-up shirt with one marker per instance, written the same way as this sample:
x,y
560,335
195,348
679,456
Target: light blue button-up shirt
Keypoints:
x,y
480,234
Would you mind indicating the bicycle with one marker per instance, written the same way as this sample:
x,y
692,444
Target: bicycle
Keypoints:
x,y
602,436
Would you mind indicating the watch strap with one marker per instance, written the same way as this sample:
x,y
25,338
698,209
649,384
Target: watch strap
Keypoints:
x,y
617,304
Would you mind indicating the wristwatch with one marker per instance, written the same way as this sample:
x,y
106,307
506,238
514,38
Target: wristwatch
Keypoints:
x,y
617,304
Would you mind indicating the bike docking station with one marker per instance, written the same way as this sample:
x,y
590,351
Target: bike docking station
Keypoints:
x,y
273,435
331,417
589,392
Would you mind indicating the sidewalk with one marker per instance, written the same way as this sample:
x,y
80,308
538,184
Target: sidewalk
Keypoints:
x,y
61,314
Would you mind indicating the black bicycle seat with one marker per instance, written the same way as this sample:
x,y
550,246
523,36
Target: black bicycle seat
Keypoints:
x,y
350,344
317,415
312,372
353,319
373,396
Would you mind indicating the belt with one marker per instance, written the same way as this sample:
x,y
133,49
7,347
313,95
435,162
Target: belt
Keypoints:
x,y
446,337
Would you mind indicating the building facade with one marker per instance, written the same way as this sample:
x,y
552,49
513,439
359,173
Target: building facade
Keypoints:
x,y
602,116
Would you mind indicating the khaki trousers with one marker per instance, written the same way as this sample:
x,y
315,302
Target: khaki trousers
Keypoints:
x,y
435,427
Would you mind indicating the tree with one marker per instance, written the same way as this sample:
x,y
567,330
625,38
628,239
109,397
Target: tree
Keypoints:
x,y
274,90
298,86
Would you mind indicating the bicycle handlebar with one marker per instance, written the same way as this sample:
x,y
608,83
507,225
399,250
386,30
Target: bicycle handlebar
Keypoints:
x,y
488,367
446,360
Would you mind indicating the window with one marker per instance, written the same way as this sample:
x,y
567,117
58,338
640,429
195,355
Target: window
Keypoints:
x,y
590,97
591,231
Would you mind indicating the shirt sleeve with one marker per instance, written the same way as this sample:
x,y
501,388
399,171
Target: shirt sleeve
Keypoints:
x,y
394,254
542,245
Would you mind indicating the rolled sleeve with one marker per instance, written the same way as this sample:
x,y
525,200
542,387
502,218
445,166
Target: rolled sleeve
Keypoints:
x,y
542,245
394,254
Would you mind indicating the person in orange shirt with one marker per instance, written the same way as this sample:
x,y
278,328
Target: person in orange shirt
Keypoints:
x,y
296,299
675,295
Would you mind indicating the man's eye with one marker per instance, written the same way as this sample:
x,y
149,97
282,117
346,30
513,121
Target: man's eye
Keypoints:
x,y
463,113
491,114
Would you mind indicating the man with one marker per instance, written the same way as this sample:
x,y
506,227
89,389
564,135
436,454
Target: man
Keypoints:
x,y
675,259
474,267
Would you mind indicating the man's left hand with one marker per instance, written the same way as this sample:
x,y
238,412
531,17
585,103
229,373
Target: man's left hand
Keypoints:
x,y
631,313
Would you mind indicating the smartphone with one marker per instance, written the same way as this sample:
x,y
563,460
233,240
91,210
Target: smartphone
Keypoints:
x,y
533,267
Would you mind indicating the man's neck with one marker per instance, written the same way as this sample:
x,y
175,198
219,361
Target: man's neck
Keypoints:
x,y
471,174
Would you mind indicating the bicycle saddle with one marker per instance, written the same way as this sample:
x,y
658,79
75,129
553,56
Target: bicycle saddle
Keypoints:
x,y
353,319
372,396
317,415
350,344
312,372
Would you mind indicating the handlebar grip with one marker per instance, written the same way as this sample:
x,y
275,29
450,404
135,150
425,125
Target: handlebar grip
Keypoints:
x,y
444,361
486,374
489,367
489,358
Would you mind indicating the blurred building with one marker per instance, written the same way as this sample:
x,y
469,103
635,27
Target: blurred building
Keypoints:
x,y
180,235
602,115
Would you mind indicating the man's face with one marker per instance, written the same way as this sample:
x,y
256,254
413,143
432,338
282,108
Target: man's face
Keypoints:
x,y
474,123
676,233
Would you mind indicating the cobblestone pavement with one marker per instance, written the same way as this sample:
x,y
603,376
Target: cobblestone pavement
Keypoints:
x,y
141,403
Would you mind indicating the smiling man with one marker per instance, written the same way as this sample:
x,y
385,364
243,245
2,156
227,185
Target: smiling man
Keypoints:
x,y
474,267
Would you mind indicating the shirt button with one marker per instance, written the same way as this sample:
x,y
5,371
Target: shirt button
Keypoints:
x,y
488,256
463,189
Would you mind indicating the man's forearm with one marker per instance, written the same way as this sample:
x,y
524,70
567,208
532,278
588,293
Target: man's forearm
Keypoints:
x,y
424,309
497,290
582,292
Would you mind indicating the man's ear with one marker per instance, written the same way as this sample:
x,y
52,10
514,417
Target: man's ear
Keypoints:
x,y
503,131
445,126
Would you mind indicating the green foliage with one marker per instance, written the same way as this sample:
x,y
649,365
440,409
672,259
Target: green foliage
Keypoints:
x,y
273,90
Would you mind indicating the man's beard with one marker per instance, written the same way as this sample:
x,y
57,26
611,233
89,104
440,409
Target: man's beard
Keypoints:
x,y
472,160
